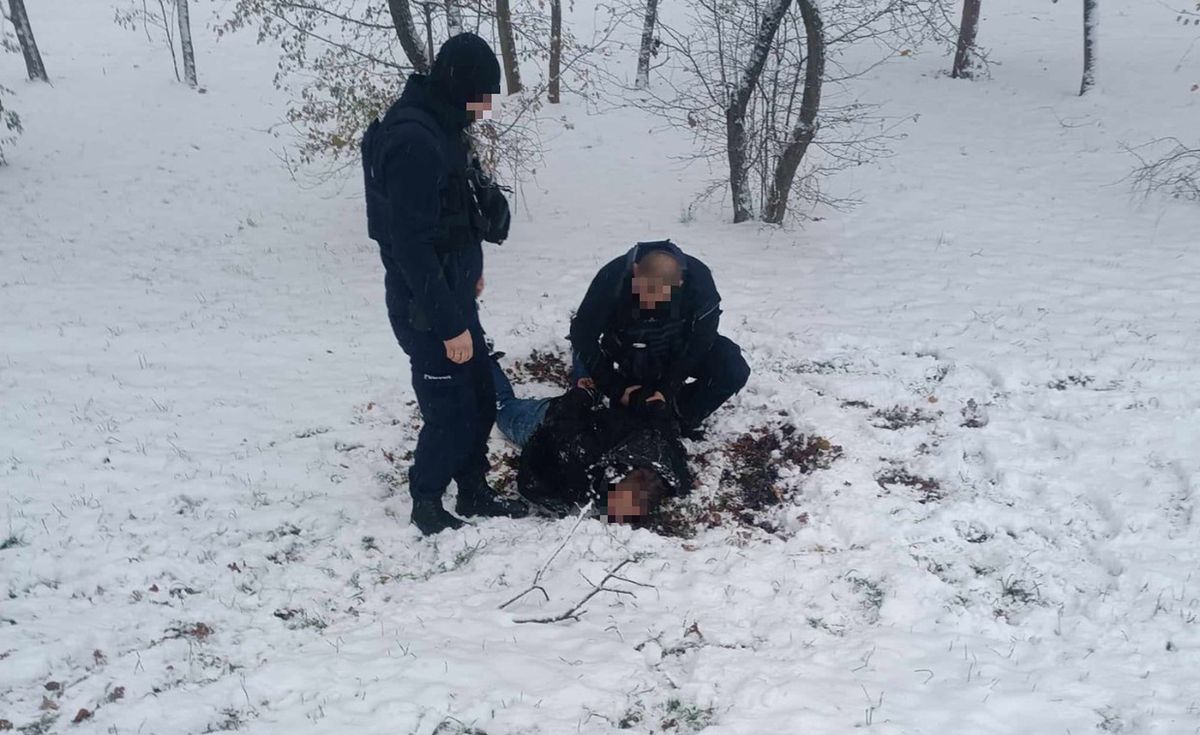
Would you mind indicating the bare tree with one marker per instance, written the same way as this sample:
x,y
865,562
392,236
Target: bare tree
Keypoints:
x,y
762,85
553,95
646,50
19,18
1090,25
806,127
406,32
508,46
735,113
454,18
162,21
964,54
185,43
1175,172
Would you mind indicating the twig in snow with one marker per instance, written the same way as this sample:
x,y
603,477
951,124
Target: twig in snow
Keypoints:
x,y
576,610
537,577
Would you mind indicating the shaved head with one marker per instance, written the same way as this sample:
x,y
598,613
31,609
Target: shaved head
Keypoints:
x,y
661,265
655,277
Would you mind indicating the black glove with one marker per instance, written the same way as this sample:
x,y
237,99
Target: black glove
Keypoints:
x,y
641,405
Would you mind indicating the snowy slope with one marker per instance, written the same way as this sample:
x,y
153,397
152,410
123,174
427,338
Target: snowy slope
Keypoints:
x,y
199,394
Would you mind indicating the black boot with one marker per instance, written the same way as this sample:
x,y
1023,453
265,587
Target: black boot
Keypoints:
x,y
478,499
430,517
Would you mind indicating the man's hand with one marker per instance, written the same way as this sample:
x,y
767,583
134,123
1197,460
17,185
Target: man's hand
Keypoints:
x,y
658,396
586,383
460,349
629,394
479,286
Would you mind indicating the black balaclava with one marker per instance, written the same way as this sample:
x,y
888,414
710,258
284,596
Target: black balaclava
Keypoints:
x,y
465,70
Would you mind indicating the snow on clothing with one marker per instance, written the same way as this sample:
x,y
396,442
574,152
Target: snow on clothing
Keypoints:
x,y
621,344
420,211
573,449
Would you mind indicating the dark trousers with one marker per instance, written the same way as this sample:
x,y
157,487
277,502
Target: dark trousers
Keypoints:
x,y
719,375
458,408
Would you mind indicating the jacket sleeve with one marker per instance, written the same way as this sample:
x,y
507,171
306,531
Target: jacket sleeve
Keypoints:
x,y
411,170
702,334
588,325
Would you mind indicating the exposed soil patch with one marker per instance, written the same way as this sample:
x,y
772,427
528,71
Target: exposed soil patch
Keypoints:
x,y
549,368
856,404
901,417
752,467
926,489
504,471
1071,381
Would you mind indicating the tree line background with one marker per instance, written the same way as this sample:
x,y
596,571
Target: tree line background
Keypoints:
x,y
759,84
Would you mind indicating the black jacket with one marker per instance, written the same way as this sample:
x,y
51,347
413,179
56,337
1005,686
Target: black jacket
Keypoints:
x,y
580,449
621,345
420,211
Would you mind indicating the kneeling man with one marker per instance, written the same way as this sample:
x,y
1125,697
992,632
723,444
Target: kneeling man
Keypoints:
x,y
648,325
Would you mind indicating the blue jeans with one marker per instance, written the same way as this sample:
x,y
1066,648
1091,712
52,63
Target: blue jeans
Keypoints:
x,y
517,418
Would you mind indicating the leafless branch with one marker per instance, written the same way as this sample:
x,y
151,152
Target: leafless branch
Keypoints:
x,y
576,611
537,577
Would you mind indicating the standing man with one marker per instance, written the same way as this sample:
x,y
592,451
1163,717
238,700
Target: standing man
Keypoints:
x,y
430,207
647,325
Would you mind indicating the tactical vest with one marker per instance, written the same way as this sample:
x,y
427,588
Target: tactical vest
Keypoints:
x,y
461,224
644,346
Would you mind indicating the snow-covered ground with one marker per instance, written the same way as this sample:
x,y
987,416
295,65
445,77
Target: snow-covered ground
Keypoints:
x,y
198,388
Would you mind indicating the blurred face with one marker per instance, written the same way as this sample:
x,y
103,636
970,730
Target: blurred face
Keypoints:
x,y
629,499
481,109
651,290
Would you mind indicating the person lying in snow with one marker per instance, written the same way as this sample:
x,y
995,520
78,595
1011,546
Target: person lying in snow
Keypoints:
x,y
574,450
647,325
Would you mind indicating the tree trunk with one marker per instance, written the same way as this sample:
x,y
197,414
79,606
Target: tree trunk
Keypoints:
x,y
735,112
185,43
555,51
454,19
964,56
33,58
406,31
508,46
643,70
430,49
810,105
1090,23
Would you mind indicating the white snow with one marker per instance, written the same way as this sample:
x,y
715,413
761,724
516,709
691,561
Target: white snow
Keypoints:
x,y
198,387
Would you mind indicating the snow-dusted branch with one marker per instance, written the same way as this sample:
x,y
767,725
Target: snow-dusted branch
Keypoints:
x,y
576,610
537,577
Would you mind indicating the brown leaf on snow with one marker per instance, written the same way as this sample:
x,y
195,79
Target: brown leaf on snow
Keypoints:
x,y
48,704
5,725
53,686
81,715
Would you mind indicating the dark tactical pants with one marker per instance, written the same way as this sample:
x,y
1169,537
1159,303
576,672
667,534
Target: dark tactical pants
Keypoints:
x,y
458,408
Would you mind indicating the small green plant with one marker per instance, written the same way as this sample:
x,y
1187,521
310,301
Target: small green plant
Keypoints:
x,y
686,718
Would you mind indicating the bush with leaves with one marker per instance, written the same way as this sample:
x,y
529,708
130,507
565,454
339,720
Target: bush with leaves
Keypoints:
x,y
351,63
10,123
